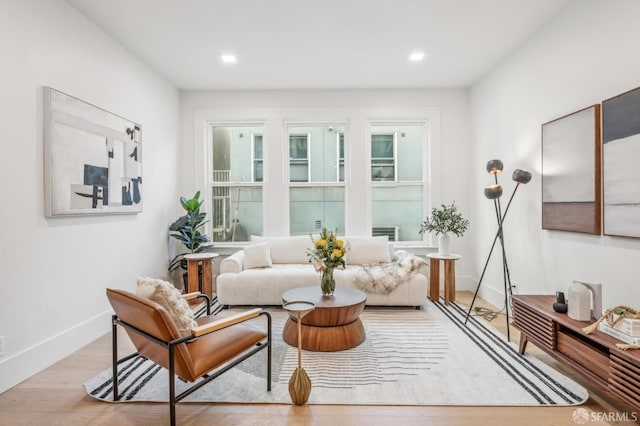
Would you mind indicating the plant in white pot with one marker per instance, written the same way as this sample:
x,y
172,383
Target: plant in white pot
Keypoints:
x,y
445,220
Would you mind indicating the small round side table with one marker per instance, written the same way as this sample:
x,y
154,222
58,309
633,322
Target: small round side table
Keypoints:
x,y
300,383
449,276
193,283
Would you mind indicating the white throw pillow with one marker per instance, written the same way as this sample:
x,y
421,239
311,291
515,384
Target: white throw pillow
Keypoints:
x,y
257,256
165,294
368,250
287,249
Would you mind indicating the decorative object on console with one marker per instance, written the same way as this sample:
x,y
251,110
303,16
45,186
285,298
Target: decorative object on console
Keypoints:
x,y
494,192
620,148
582,296
444,220
560,305
92,159
620,322
571,162
327,254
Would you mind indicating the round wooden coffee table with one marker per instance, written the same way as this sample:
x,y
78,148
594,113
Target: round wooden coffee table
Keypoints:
x,y
334,325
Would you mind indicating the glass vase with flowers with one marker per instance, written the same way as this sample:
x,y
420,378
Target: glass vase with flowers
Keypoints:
x,y
328,253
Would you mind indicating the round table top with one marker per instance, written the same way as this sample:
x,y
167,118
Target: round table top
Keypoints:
x,y
200,256
343,296
451,256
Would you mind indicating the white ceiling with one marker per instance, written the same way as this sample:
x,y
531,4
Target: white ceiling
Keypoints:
x,y
320,44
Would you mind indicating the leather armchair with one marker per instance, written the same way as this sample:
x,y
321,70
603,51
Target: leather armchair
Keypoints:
x,y
214,342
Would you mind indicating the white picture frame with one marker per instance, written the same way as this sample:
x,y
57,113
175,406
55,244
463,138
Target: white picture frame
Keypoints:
x,y
92,159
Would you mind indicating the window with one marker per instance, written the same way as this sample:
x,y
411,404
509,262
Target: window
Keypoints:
x,y
316,178
258,160
235,182
299,158
383,157
398,171
340,157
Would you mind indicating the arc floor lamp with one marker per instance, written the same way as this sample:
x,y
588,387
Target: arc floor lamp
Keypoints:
x,y
494,192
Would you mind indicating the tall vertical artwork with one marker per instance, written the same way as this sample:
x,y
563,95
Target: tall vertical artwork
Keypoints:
x,y
93,159
571,184
621,156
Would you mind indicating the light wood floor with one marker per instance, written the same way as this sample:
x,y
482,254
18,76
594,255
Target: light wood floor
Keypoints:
x,y
56,397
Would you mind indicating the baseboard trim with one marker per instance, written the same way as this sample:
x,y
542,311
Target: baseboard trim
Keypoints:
x,y
491,295
20,366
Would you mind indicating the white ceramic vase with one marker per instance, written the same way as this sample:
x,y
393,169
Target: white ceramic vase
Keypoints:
x,y
444,245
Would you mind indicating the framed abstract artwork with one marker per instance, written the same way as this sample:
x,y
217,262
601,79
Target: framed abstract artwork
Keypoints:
x,y
621,164
571,170
92,159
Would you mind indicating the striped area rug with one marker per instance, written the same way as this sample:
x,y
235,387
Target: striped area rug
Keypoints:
x,y
409,357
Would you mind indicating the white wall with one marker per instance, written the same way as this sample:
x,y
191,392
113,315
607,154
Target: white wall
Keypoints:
x,y
55,271
587,54
448,110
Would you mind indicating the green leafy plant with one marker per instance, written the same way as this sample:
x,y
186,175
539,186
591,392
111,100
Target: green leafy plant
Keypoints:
x,y
445,219
187,230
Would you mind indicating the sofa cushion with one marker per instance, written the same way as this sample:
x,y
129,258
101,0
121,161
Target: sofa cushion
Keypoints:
x,y
287,249
169,297
368,250
257,256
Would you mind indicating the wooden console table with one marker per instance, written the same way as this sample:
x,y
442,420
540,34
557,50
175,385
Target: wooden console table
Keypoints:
x,y
593,355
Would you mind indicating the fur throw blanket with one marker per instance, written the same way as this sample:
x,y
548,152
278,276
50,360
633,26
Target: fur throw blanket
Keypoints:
x,y
383,278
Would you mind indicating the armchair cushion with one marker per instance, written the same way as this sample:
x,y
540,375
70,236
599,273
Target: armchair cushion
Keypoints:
x,y
169,297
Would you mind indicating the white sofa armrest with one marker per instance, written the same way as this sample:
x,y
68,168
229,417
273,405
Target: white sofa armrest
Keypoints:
x,y
233,263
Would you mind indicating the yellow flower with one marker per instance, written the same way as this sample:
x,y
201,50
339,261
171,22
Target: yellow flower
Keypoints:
x,y
321,243
344,250
337,253
339,243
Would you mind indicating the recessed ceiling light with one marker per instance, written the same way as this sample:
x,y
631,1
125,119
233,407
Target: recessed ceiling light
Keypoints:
x,y
228,58
416,56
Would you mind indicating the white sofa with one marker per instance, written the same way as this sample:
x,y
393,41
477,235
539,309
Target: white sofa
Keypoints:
x,y
261,272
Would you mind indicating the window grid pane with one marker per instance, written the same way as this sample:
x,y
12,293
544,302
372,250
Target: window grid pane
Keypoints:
x,y
236,212
312,208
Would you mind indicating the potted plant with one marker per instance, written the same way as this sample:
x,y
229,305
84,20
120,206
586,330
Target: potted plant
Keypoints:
x,y
187,230
444,220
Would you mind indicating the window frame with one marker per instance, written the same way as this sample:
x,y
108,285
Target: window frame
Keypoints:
x,y
309,183
209,174
427,191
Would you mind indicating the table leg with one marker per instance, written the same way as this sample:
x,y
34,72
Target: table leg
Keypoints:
x,y
434,279
192,276
207,277
449,281
523,344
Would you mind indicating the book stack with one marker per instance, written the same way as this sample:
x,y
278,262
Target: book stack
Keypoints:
x,y
626,330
